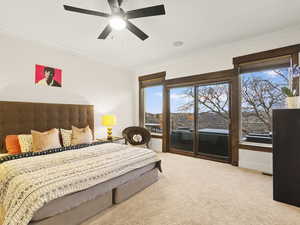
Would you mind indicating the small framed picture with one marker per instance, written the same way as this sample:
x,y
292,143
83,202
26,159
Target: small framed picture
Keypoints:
x,y
48,76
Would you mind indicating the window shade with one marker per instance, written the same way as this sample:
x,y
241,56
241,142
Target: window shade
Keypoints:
x,y
267,64
153,82
152,79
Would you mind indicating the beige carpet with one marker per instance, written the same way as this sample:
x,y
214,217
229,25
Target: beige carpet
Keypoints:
x,y
194,191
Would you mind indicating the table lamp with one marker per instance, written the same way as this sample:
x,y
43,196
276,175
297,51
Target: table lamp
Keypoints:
x,y
109,121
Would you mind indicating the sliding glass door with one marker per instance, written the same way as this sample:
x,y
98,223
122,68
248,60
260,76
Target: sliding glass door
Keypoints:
x,y
182,119
213,120
199,117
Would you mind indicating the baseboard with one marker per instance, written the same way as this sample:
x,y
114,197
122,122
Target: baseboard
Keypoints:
x,y
262,167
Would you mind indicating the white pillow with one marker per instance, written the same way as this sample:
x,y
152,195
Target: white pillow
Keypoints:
x,y
25,141
66,137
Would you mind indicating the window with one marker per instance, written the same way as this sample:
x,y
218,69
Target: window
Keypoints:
x,y
153,104
260,94
261,77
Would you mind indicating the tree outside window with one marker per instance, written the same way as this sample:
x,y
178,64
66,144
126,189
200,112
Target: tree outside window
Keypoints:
x,y
260,93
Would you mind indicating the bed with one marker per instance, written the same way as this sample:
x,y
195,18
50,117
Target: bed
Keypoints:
x,y
66,185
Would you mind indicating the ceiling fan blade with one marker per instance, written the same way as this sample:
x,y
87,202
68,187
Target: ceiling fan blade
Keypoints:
x,y
145,12
134,29
105,32
85,11
114,5
120,2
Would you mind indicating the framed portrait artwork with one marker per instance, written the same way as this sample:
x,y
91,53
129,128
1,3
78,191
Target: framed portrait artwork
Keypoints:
x,y
48,76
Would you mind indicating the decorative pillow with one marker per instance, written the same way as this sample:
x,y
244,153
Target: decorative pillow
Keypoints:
x,y
81,135
25,141
12,144
66,137
42,141
137,138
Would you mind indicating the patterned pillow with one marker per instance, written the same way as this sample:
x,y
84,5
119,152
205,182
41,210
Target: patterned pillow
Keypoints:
x,y
66,137
137,138
25,141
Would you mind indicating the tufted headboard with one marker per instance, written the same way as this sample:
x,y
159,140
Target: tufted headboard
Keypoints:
x,y
21,117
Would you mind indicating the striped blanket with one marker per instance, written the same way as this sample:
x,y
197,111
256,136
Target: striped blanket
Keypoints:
x,y
27,184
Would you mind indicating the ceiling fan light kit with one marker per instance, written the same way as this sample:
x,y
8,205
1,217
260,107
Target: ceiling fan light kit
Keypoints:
x,y
117,23
119,19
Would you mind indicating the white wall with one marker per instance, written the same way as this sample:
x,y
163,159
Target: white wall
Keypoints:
x,y
261,161
220,58
156,144
84,81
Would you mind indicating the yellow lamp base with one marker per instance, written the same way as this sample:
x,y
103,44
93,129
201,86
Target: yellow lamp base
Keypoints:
x,y
109,134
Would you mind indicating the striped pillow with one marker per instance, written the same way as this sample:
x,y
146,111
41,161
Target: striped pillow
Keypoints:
x,y
25,141
66,137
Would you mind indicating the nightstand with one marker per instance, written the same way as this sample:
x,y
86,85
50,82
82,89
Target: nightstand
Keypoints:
x,y
119,140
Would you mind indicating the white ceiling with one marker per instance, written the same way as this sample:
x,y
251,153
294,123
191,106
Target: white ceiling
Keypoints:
x,y
199,23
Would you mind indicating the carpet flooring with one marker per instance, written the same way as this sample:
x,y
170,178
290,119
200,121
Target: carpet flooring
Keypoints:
x,y
199,192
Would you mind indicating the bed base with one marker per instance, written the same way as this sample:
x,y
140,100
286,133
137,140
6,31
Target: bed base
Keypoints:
x,y
87,210
125,191
78,215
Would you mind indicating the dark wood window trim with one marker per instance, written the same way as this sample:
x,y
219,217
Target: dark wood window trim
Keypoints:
x,y
154,76
292,51
216,159
148,81
229,76
253,147
211,77
157,136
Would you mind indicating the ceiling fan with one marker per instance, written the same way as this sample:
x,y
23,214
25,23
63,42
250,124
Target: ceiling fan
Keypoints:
x,y
119,19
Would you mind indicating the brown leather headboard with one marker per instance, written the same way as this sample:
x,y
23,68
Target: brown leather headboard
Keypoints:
x,y
22,117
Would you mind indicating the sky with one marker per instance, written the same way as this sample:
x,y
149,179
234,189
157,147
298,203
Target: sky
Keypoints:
x,y
154,95
269,74
154,99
